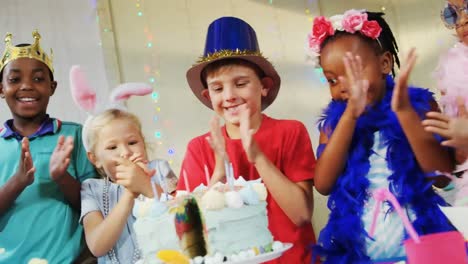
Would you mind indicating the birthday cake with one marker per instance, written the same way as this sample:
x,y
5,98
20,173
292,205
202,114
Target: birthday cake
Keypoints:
x,y
222,223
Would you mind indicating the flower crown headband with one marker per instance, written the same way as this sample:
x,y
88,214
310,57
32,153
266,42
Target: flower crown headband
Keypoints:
x,y
351,21
85,97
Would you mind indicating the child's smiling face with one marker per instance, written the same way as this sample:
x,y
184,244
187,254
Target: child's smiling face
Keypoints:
x,y
232,86
26,87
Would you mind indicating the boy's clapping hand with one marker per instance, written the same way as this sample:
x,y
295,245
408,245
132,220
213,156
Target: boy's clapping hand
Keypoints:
x,y
60,158
26,169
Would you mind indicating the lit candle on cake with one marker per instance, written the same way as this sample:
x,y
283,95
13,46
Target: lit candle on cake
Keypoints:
x,y
207,175
187,187
231,174
228,170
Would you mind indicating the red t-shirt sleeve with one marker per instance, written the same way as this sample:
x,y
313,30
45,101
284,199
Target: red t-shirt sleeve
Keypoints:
x,y
299,159
193,164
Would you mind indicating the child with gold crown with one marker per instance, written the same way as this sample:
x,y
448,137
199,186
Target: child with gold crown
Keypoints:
x,y
43,163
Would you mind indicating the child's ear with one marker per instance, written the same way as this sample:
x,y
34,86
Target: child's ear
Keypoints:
x,y
53,86
386,62
92,159
2,94
267,84
205,93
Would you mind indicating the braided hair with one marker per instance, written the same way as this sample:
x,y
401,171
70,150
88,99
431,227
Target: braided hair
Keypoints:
x,y
386,40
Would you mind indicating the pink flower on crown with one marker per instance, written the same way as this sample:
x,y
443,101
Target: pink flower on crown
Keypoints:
x,y
312,50
353,20
321,29
314,43
371,29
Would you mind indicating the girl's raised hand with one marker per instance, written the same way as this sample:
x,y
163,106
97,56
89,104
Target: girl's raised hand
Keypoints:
x,y
141,161
138,158
400,97
133,177
455,130
356,84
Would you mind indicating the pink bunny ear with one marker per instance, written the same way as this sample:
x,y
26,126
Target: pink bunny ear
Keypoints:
x,y
83,94
124,91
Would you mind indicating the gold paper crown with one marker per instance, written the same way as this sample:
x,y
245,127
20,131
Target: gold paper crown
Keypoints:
x,y
33,51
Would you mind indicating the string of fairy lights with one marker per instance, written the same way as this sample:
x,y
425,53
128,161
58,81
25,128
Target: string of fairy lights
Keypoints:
x,y
152,75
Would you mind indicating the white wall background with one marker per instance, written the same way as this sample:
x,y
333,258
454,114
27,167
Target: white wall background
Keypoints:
x,y
156,41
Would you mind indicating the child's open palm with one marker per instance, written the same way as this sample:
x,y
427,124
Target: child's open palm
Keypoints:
x,y
246,134
455,130
400,97
218,145
60,158
26,167
356,84
216,139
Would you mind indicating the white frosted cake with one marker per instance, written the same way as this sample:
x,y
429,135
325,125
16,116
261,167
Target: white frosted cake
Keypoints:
x,y
222,223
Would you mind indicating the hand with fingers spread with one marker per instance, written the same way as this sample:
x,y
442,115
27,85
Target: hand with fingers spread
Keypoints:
x,y
400,98
454,129
133,177
60,158
26,169
246,134
356,84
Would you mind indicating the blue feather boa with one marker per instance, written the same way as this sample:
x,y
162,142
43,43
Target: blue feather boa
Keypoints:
x,y
343,238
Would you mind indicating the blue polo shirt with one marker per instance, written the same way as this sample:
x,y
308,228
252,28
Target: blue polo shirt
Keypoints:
x,y
41,223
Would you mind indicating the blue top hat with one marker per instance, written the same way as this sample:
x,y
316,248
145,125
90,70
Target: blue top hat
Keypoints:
x,y
231,37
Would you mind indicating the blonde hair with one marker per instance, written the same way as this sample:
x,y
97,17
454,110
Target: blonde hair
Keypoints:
x,y
103,119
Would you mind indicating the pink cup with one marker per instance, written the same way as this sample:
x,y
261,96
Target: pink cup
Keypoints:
x,y
438,248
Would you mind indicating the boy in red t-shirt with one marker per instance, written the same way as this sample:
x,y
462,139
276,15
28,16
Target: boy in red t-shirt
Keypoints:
x,y
238,83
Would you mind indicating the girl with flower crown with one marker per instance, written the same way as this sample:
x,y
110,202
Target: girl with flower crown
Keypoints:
x,y
371,137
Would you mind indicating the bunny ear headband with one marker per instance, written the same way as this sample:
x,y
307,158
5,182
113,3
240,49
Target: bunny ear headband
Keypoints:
x,y
85,96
